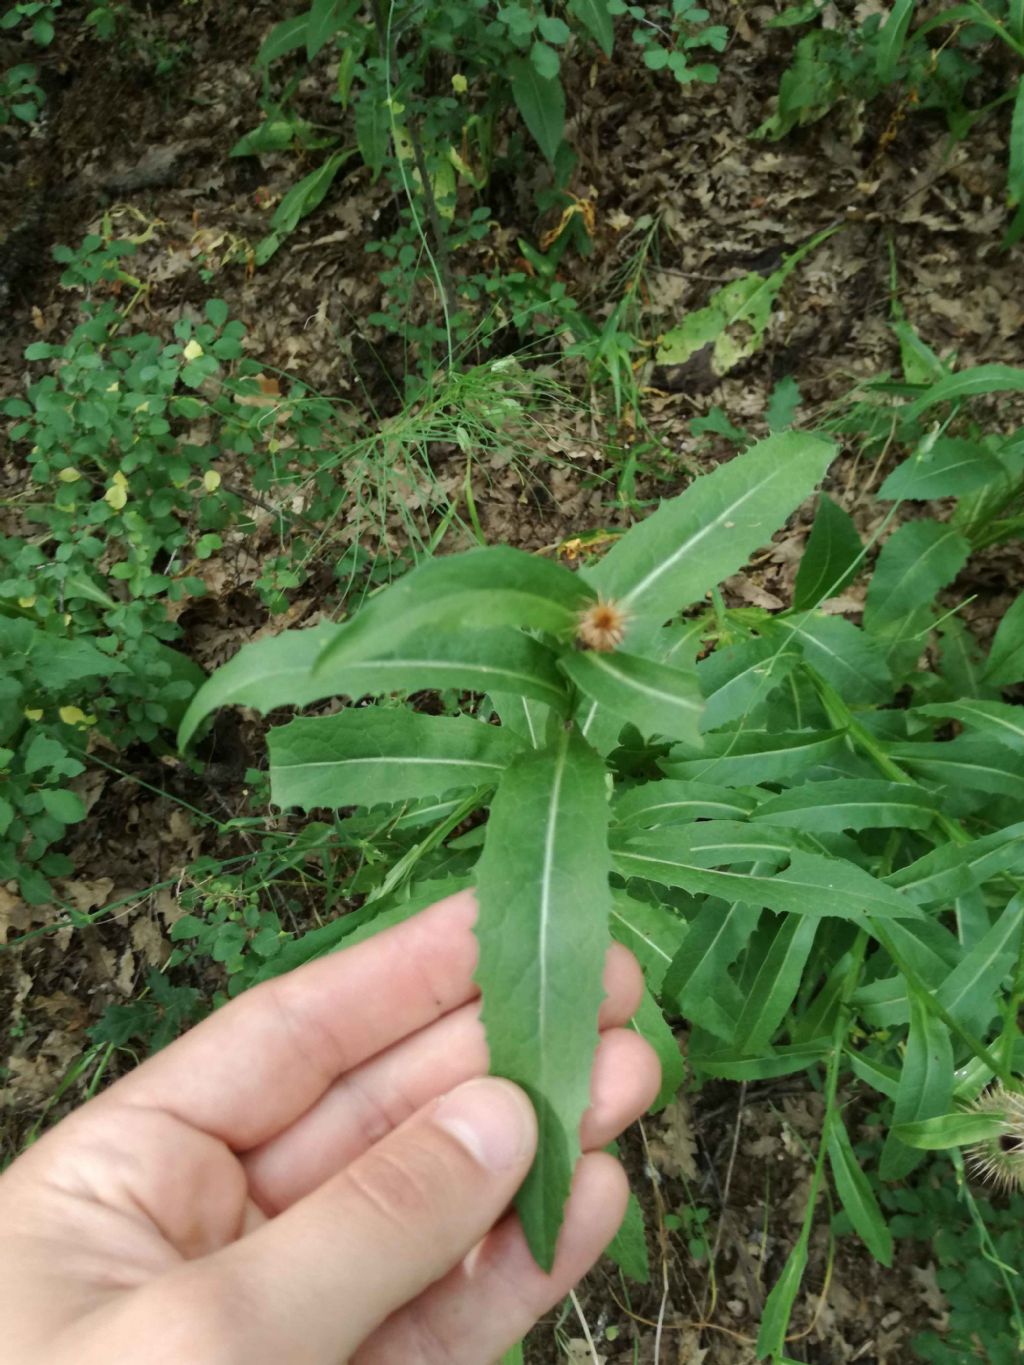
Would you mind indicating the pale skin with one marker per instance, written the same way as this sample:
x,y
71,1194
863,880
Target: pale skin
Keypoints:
x,y
320,1172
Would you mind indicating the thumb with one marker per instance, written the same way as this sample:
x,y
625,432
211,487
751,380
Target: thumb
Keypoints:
x,y
326,1272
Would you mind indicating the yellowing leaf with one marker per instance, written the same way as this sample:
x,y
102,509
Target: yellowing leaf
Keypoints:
x,y
74,715
69,475
26,603
31,713
459,83
117,494
211,481
193,350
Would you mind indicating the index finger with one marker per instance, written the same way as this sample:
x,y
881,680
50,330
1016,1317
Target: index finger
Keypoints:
x,y
251,1069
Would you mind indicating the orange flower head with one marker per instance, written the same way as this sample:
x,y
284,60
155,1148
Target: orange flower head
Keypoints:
x,y
601,627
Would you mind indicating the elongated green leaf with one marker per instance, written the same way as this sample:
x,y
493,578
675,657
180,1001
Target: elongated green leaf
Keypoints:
x,y
656,698
753,756
628,1248
287,36
850,803
943,469
958,1129
653,933
1015,172
916,561
322,26
481,589
695,540
952,869
999,719
961,661
542,886
845,656
810,885
776,982
541,101
650,1023
1006,657
698,982
594,16
832,558
971,991
728,1064
974,383
308,193
856,1195
373,128
717,843
925,1087
778,1308
968,762
675,803
279,670
891,38
377,757
738,681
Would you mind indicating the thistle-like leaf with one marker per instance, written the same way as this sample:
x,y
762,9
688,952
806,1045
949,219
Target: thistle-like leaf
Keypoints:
x,y
657,698
695,540
542,887
380,757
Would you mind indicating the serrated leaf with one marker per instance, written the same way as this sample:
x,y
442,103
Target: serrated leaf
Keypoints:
x,y
753,756
652,933
832,559
917,560
942,469
1000,719
850,804
674,803
968,762
856,1195
738,680
541,102
657,698
810,885
542,887
379,757
482,589
952,869
650,1023
925,1086
695,540
775,985
846,657
1006,657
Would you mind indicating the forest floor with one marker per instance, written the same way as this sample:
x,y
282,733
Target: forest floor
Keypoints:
x,y
152,155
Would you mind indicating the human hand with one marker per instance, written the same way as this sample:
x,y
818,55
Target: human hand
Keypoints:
x,y
319,1172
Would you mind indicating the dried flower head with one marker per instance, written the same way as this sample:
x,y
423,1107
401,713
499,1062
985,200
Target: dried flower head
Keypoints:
x,y
601,627
1000,1158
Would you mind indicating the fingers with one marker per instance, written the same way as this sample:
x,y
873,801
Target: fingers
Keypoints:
x,y
369,1102
375,1236
253,1067
488,1303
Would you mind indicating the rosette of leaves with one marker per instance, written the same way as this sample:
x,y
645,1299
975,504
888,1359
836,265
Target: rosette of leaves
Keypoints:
x,y
506,624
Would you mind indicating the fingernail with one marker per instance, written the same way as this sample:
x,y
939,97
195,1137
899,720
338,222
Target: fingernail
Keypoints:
x,y
492,1119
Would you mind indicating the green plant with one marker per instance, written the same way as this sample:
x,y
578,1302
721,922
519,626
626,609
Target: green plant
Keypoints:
x,y
936,62
815,867
422,93
20,96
